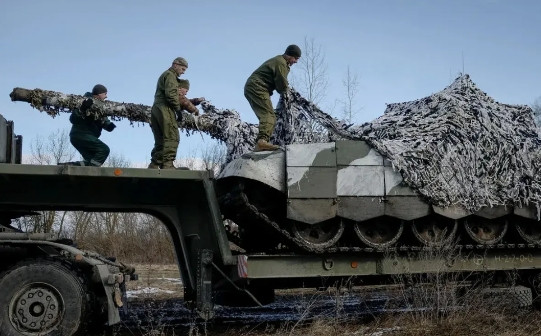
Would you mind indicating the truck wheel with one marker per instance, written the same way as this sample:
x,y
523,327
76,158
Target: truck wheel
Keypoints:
x,y
41,297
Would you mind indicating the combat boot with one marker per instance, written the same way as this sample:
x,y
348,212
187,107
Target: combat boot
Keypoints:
x,y
263,145
152,165
168,165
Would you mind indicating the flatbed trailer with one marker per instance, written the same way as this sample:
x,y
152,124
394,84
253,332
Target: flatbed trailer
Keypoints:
x,y
212,271
185,201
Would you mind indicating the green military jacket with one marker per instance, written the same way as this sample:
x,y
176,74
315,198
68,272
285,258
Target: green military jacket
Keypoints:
x,y
167,90
270,76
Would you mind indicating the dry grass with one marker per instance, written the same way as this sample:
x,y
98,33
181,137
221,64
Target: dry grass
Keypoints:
x,y
165,279
444,313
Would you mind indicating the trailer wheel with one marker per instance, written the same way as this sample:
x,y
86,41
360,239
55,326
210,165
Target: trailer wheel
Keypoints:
x,y
41,297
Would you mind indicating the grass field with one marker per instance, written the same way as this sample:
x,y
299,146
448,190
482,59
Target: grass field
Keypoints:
x,y
475,317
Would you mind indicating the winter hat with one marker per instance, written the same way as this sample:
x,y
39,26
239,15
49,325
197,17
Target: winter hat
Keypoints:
x,y
184,83
180,61
293,50
98,88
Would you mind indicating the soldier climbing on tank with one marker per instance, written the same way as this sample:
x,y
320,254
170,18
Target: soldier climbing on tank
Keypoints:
x,y
270,76
86,128
163,121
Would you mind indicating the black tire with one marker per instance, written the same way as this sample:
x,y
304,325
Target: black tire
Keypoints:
x,y
42,297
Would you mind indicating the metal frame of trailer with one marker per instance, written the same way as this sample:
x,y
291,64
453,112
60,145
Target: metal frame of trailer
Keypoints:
x,y
185,201
254,267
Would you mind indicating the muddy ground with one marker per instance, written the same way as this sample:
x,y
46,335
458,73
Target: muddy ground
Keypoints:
x,y
156,308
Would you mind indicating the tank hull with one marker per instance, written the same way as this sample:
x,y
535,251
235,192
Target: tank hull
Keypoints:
x,y
328,190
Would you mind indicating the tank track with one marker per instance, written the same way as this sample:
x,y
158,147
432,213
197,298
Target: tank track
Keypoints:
x,y
245,211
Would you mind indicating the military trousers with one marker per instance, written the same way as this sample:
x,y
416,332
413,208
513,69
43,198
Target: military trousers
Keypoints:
x,y
262,105
93,150
166,135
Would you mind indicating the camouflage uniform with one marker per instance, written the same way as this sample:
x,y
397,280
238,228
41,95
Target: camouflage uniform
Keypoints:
x,y
85,133
163,121
270,76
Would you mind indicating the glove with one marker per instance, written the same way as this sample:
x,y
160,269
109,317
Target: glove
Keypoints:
x,y
197,101
179,115
109,127
87,103
196,112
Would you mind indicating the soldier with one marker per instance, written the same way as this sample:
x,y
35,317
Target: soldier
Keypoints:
x,y
162,120
86,129
270,76
185,103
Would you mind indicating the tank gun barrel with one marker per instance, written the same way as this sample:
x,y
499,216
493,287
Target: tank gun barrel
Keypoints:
x,y
221,124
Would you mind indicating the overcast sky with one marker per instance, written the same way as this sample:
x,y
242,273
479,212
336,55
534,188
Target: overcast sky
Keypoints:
x,y
400,51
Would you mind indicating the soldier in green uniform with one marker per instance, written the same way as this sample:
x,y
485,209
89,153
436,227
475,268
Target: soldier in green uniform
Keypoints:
x,y
86,128
163,119
270,76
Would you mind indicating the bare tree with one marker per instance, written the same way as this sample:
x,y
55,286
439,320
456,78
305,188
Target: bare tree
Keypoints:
x,y
57,148
313,81
351,84
80,224
117,161
213,157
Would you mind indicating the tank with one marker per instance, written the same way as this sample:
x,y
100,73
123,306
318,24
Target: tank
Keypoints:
x,y
452,169
345,196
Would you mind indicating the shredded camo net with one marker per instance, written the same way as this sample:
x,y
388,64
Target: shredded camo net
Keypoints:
x,y
455,147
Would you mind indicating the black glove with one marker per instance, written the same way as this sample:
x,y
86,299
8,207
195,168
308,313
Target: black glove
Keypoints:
x,y
87,103
197,101
109,127
179,115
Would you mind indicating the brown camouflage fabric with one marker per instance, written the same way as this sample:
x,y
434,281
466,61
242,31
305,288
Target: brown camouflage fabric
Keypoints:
x,y
189,104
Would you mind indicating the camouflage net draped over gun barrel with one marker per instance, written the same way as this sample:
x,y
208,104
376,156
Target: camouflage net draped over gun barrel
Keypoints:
x,y
456,147
53,102
221,124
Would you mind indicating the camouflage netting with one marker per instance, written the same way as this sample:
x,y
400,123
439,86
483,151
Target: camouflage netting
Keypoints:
x,y
456,147
221,124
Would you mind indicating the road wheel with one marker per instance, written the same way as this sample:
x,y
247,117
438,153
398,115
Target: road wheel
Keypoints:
x,y
41,297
